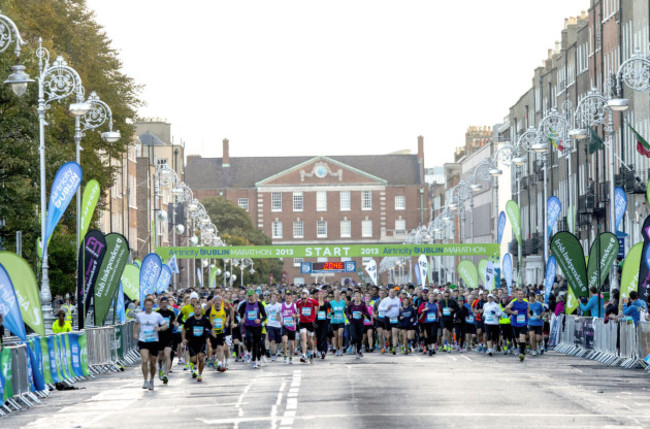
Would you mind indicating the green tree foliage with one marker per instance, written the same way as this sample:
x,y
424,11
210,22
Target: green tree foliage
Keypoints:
x,y
67,28
236,229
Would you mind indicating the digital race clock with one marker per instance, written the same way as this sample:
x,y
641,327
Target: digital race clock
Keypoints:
x,y
328,267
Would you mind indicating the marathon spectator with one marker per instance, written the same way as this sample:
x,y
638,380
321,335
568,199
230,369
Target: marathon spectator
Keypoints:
x,y
559,306
634,306
60,325
592,306
611,309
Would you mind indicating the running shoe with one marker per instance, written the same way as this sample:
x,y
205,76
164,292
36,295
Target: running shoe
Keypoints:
x,y
160,374
303,358
383,350
489,352
394,351
257,365
430,352
406,352
145,385
181,361
165,379
199,379
151,384
322,355
186,367
285,359
273,358
358,356
402,349
479,348
234,354
290,361
263,358
521,357
219,368
533,353
194,374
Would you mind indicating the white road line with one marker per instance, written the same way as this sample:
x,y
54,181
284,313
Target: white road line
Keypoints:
x,y
465,357
452,358
292,401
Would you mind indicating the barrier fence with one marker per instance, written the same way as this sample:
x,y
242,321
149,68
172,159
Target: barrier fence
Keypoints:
x,y
62,358
615,343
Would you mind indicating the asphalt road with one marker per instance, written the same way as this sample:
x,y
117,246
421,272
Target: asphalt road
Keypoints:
x,y
379,391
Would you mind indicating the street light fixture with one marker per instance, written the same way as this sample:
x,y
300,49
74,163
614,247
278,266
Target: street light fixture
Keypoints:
x,y
9,34
18,80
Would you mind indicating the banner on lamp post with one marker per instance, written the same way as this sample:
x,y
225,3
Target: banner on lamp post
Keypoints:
x,y
489,275
551,270
88,203
507,271
501,226
514,215
149,272
554,208
620,204
423,266
371,269
65,184
164,279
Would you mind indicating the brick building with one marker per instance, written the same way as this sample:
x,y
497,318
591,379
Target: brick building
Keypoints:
x,y
320,199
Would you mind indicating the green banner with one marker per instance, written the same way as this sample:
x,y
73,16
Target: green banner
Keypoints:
x,y
27,291
5,367
482,271
131,281
213,277
571,218
467,272
630,275
514,215
45,353
68,354
108,279
608,252
88,204
568,252
83,351
490,250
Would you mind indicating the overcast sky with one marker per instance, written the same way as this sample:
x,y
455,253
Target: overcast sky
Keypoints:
x,y
332,77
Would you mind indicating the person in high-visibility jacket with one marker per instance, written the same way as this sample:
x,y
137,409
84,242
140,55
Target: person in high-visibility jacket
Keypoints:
x,y
69,310
60,325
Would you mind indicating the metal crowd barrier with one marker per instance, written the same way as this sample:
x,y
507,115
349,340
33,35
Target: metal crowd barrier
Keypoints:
x,y
107,349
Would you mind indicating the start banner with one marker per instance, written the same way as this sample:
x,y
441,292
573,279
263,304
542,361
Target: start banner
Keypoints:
x,y
490,250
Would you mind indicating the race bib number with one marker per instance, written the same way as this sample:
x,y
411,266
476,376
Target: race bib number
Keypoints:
x,y
338,315
489,318
321,315
197,331
218,323
288,321
393,320
382,314
469,319
534,317
446,311
271,315
521,318
431,317
306,311
166,320
148,335
252,315
356,315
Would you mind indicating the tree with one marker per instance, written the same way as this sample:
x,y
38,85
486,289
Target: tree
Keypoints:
x,y
68,28
236,229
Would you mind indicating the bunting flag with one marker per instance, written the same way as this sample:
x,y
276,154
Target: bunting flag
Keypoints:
x,y
642,145
554,138
595,142
173,264
371,269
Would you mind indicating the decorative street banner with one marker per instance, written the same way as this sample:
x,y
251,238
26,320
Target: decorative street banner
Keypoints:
x,y
149,272
214,272
502,226
91,256
482,270
514,215
199,275
620,204
108,279
131,281
26,288
569,255
644,277
416,270
64,186
571,217
607,244
423,264
9,307
164,279
489,276
490,250
507,270
371,269
119,306
467,272
630,275
551,270
88,204
554,208
173,264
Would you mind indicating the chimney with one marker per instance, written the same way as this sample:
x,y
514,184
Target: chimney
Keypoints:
x,y
421,147
225,159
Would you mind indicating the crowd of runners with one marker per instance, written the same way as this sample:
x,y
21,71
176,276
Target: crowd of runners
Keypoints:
x,y
267,325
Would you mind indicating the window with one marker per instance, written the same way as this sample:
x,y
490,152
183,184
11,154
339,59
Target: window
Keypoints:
x,y
321,259
400,226
366,200
345,201
298,261
298,229
276,201
297,202
346,259
276,229
366,228
243,203
400,202
321,229
321,201
346,229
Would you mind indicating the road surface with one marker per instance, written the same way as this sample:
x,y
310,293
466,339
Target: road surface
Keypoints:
x,y
448,390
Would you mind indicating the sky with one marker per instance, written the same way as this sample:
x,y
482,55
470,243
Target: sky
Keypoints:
x,y
352,77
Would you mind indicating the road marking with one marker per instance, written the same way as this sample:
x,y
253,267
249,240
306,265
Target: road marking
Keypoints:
x,y
274,408
452,358
292,401
465,357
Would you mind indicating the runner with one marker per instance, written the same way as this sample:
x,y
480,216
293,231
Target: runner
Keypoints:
x,y
518,311
477,309
407,321
166,340
288,318
536,314
462,318
196,332
322,323
430,312
506,327
273,325
390,306
492,313
219,315
338,322
379,316
308,309
145,331
448,307
368,325
253,314
356,311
